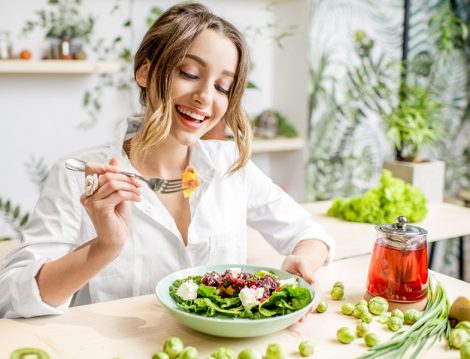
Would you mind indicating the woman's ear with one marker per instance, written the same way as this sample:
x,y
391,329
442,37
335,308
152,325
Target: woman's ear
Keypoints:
x,y
142,74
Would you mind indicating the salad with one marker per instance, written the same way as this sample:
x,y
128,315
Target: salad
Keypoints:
x,y
239,294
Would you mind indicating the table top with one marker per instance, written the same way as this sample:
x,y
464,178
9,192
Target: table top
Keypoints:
x,y
443,221
137,327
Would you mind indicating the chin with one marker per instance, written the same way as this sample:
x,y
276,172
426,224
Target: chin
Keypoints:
x,y
186,139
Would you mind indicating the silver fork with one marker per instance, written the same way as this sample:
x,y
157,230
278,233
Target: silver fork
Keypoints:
x,y
159,185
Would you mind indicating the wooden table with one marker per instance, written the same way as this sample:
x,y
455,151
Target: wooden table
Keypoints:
x,y
443,221
137,327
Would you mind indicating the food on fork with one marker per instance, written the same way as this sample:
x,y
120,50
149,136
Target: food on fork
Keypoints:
x,y
191,181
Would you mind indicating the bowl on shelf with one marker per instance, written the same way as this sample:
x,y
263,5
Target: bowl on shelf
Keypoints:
x,y
231,327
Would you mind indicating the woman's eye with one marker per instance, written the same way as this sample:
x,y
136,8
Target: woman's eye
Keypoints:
x,y
221,89
188,75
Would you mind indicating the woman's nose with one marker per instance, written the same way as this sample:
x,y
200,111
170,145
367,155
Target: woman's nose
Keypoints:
x,y
203,94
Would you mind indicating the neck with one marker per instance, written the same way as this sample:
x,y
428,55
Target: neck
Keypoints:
x,y
167,160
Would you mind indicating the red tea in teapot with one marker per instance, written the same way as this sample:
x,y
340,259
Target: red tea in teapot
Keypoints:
x,y
398,274
398,268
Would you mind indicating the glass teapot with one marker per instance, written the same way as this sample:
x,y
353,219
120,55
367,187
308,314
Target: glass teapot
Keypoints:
x,y
398,268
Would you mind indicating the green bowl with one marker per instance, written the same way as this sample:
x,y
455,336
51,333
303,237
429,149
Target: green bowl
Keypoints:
x,y
230,327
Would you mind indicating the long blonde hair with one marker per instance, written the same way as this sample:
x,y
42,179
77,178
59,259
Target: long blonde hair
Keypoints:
x,y
163,48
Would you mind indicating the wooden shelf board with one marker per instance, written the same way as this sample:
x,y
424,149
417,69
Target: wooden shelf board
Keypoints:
x,y
57,67
277,145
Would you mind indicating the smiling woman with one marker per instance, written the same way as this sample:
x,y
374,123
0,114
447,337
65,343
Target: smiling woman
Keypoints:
x,y
119,239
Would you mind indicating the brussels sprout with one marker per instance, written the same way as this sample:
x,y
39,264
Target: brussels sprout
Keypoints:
x,y
322,306
359,311
223,353
362,329
173,346
160,355
345,335
347,308
398,313
394,323
371,339
338,284
383,318
362,302
188,353
366,318
465,351
274,351
306,348
378,305
463,325
337,293
411,316
458,337
249,353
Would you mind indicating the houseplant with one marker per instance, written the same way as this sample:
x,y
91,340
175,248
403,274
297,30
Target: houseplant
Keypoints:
x,y
412,124
64,26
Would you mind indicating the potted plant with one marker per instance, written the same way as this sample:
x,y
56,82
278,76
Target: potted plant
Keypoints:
x,y
412,124
65,28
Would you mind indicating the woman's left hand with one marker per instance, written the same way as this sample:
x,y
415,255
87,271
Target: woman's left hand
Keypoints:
x,y
308,256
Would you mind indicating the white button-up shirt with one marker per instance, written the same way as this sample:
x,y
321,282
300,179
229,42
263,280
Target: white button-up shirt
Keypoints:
x,y
220,210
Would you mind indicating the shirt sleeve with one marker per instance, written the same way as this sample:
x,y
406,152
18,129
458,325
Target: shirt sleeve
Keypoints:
x,y
280,220
51,232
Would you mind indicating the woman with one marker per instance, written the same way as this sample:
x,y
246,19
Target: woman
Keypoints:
x,y
120,238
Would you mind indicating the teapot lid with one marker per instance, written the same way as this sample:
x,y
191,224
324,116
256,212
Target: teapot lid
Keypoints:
x,y
401,228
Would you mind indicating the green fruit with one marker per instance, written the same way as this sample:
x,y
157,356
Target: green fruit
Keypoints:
x,y
465,351
394,323
383,318
359,311
30,353
362,329
338,284
337,293
362,302
223,353
274,351
458,337
322,307
398,313
347,308
371,339
378,305
249,353
463,325
173,346
411,316
306,348
188,353
366,318
160,355
345,335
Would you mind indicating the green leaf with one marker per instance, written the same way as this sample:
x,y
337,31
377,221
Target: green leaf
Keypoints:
x,y
127,23
16,212
24,219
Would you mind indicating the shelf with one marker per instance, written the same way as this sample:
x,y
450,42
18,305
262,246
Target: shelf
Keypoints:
x,y
57,67
277,145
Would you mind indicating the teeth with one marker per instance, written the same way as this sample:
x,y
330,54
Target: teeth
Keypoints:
x,y
196,116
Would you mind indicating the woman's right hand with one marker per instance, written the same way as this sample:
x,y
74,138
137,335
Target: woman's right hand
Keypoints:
x,y
109,207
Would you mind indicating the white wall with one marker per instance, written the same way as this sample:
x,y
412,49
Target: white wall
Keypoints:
x,y
40,114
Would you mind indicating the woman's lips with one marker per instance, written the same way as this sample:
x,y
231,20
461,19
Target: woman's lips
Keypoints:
x,y
189,122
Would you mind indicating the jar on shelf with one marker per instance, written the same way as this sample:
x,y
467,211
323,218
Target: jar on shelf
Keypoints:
x,y
5,45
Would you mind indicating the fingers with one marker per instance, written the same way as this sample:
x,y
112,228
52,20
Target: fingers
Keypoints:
x,y
300,266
